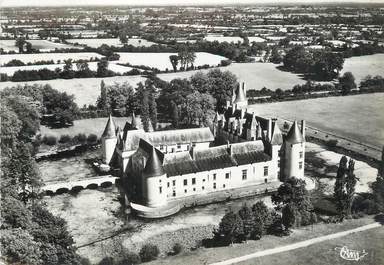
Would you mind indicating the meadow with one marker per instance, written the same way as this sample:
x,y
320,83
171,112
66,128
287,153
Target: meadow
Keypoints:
x,y
92,66
359,117
85,90
30,58
223,39
364,65
42,45
94,43
161,60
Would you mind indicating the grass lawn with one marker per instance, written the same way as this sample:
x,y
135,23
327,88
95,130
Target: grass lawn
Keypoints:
x,y
325,253
210,255
30,58
42,45
95,43
359,117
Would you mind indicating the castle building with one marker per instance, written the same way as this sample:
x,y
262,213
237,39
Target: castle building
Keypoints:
x,y
163,171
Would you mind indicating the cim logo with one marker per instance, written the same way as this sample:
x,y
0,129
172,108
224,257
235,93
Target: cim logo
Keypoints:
x,y
351,254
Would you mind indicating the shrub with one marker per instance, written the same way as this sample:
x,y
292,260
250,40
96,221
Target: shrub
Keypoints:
x,y
130,258
107,261
177,248
92,138
82,138
49,140
149,252
64,139
332,143
225,62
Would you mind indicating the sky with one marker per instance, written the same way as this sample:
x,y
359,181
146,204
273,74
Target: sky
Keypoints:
x,y
7,3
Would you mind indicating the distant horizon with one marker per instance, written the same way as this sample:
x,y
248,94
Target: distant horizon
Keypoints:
x,y
155,3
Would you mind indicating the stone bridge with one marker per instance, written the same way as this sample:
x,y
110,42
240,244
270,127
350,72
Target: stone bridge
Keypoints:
x,y
89,183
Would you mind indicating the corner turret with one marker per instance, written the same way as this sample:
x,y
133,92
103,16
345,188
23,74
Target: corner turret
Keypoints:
x,y
294,152
108,140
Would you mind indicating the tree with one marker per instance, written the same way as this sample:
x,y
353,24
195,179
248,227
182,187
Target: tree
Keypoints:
x,y
201,82
102,99
347,83
327,64
378,186
123,37
289,215
144,111
249,224
344,186
149,252
102,68
276,57
120,99
20,42
222,85
10,128
174,61
231,228
198,109
175,115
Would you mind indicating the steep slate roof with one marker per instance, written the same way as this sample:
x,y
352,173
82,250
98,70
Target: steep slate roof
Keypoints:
x,y
294,135
154,165
240,96
215,158
277,137
196,135
109,131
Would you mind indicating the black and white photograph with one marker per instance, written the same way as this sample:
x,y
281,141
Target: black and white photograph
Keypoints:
x,y
192,132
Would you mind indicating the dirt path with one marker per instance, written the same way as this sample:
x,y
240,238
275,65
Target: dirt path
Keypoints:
x,y
297,245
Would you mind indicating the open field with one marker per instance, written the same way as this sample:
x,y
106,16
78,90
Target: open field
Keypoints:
x,y
42,45
87,126
30,58
86,90
255,75
256,39
359,117
223,39
95,43
161,60
364,65
328,252
92,66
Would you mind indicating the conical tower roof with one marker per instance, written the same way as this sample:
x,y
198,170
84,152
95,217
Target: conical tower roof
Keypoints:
x,y
240,96
134,121
154,166
277,137
294,135
109,131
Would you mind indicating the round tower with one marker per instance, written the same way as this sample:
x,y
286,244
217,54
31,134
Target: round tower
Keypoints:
x,y
294,151
154,179
108,140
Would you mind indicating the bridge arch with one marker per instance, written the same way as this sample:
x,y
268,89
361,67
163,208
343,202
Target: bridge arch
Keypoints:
x,y
92,186
62,190
77,188
106,184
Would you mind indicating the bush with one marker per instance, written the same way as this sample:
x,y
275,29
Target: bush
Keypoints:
x,y
64,139
177,248
49,140
92,138
332,143
225,62
149,252
107,261
82,138
130,258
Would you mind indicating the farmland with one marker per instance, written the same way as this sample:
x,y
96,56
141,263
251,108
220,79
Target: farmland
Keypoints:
x,y
92,66
42,45
224,39
365,65
161,60
31,58
86,90
358,117
94,43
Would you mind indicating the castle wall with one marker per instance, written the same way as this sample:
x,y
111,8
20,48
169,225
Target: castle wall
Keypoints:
x,y
108,148
294,160
182,147
154,194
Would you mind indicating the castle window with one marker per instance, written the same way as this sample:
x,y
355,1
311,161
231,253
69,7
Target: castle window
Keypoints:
x,y
161,147
174,193
173,182
214,185
223,185
214,176
202,188
244,174
265,180
193,144
194,189
185,191
300,165
278,163
266,171
168,184
172,150
185,182
160,189
203,180
227,175
178,146
301,154
193,181
187,147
